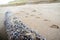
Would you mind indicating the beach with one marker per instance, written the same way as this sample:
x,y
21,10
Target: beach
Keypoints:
x,y
42,18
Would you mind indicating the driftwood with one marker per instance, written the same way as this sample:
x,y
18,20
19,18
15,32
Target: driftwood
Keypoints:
x,y
16,29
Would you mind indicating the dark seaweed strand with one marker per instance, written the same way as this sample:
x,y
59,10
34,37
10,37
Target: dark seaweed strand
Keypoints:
x,y
16,30
24,29
11,31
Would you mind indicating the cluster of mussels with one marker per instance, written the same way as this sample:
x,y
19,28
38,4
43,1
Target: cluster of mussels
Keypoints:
x,y
16,30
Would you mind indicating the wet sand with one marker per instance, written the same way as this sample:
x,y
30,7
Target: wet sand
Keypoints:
x,y
43,18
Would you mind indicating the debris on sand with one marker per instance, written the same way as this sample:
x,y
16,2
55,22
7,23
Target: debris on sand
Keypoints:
x,y
45,20
32,15
37,17
54,26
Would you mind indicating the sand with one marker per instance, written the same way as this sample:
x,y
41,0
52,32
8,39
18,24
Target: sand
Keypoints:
x,y
42,18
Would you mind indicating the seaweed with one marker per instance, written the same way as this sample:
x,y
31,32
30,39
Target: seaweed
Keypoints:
x,y
19,31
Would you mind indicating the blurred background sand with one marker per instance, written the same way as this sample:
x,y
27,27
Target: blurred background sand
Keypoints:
x,y
39,17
